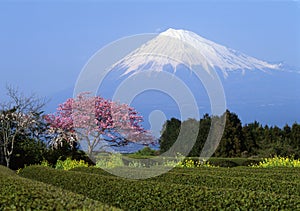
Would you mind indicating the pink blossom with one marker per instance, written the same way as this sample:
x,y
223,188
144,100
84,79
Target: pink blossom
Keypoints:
x,y
95,119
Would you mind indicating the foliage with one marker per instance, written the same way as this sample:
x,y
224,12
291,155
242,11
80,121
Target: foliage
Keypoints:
x,y
27,151
20,116
137,164
204,175
238,140
146,151
115,160
45,163
278,162
4,171
231,144
112,161
233,162
171,130
189,163
64,151
18,193
97,121
217,162
69,164
182,162
224,163
182,188
204,126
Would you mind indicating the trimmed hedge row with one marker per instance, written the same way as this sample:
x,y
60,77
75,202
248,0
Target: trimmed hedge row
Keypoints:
x,y
147,194
247,183
215,161
4,171
224,178
287,174
17,193
280,174
232,162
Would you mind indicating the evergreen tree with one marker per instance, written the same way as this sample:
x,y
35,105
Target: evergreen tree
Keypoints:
x,y
170,132
231,144
204,127
252,134
252,139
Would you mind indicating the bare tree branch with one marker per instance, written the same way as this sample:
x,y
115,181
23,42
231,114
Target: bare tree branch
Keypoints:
x,y
18,116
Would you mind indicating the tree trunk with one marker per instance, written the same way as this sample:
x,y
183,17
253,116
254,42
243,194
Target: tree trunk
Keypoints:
x,y
7,161
1,156
6,156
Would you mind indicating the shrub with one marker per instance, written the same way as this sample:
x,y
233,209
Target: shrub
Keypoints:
x,y
114,160
4,171
223,163
182,188
27,151
136,164
45,163
69,164
18,193
278,162
64,151
192,163
279,181
250,162
146,151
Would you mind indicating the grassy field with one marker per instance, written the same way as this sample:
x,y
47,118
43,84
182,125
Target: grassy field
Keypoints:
x,y
200,188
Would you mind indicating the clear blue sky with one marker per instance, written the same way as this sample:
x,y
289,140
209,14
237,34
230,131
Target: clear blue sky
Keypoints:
x,y
44,45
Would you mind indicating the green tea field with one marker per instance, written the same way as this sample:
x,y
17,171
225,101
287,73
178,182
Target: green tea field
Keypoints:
x,y
203,188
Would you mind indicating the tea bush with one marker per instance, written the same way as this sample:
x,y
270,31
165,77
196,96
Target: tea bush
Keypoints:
x,y
277,182
182,188
4,171
18,193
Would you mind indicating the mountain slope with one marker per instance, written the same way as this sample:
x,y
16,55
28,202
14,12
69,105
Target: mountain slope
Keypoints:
x,y
268,93
175,47
265,92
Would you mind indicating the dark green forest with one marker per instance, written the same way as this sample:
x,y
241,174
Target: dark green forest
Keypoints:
x,y
238,140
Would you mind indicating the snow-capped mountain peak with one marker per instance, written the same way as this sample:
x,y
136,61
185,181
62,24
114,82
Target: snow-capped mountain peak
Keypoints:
x,y
174,47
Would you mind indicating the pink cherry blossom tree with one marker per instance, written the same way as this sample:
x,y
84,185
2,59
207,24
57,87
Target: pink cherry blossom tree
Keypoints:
x,y
95,120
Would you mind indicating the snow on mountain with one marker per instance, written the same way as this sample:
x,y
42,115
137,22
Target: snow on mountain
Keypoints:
x,y
269,98
174,47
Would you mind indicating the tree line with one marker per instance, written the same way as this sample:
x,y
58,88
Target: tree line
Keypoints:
x,y
29,136
238,140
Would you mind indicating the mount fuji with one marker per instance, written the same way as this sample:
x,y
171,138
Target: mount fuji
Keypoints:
x,y
186,46
254,89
